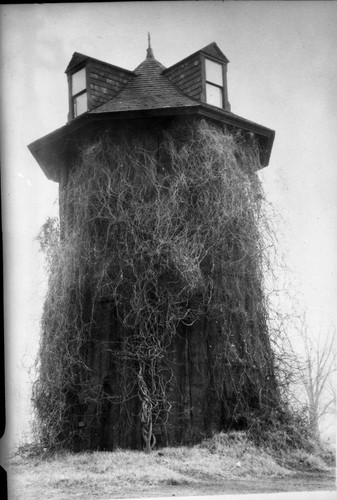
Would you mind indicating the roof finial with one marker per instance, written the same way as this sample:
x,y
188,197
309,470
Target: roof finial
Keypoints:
x,y
149,52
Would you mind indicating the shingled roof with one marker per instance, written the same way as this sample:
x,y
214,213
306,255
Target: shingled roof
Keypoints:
x,y
150,92
150,89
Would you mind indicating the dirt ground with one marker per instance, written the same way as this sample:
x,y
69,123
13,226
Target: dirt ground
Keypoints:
x,y
304,481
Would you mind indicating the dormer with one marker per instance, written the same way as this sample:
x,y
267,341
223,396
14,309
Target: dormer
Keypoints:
x,y
92,82
103,96
203,76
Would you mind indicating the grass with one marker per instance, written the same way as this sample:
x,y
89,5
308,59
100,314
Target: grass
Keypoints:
x,y
115,474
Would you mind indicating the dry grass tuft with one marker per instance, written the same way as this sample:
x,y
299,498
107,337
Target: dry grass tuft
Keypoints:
x,y
123,472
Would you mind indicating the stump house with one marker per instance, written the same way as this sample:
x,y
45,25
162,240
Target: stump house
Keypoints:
x,y
142,104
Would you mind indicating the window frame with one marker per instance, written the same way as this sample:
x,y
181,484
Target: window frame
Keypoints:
x,y
74,101
73,97
210,84
213,84
223,88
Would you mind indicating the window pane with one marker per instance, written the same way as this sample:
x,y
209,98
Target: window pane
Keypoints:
x,y
214,72
214,95
80,104
79,81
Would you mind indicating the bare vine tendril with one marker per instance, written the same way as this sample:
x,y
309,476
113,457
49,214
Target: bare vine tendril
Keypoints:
x,y
166,237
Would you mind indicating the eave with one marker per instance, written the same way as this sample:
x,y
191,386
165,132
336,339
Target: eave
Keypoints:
x,y
79,60
51,150
207,51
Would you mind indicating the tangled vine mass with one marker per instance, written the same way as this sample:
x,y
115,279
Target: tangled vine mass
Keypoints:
x,y
165,238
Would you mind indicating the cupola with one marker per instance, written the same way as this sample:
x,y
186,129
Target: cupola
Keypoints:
x,y
103,95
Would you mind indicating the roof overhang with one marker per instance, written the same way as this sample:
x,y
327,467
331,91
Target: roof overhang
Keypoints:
x,y
52,150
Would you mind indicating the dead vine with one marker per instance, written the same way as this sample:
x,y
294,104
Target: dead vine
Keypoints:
x,y
166,237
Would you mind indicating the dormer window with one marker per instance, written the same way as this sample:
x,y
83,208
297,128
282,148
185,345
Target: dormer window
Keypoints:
x,y
79,92
214,83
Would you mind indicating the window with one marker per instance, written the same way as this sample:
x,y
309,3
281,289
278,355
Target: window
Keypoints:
x,y
214,83
79,92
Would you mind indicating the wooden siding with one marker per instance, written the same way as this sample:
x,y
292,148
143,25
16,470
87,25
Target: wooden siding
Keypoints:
x,y
203,390
104,82
197,407
186,75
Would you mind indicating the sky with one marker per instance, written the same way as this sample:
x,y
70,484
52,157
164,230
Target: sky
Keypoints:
x,y
282,74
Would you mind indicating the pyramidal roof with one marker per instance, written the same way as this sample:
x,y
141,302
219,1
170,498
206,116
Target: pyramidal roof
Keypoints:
x,y
148,89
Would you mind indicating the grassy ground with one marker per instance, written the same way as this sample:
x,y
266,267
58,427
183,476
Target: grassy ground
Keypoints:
x,y
224,464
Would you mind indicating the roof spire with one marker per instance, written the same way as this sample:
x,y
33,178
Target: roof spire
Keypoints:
x,y
149,52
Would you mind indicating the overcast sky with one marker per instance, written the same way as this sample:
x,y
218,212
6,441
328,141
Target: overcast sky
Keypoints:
x,y
282,74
